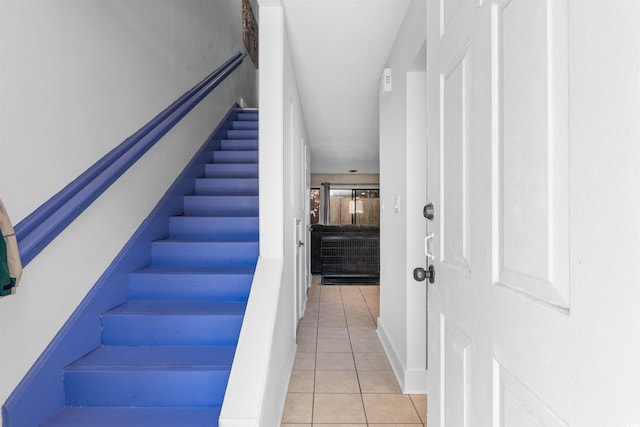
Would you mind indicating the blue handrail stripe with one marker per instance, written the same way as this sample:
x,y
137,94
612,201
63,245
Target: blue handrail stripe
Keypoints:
x,y
38,229
27,225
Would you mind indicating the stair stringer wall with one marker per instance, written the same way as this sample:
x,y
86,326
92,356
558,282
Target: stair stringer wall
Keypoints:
x,y
41,392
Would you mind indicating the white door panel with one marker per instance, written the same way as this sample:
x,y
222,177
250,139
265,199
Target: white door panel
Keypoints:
x,y
531,149
454,162
534,173
517,405
455,381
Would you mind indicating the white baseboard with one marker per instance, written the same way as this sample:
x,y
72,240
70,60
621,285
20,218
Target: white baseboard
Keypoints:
x,y
412,381
392,355
415,381
277,419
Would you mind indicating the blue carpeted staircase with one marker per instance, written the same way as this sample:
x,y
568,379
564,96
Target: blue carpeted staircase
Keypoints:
x,y
166,353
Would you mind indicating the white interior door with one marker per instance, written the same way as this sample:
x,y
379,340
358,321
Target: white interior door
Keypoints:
x,y
299,270
526,98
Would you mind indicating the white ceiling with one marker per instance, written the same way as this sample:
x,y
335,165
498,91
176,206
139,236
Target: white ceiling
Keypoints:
x,y
339,49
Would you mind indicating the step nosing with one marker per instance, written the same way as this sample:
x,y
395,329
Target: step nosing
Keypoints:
x,y
219,218
150,314
208,241
148,368
193,271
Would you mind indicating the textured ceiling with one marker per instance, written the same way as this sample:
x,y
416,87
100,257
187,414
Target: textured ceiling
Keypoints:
x,y
339,48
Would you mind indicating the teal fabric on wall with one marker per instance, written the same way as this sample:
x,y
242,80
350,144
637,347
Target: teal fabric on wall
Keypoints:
x,y
6,281
10,264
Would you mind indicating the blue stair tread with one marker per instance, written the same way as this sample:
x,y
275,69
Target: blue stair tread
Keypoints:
x,y
227,186
178,269
245,124
230,240
156,357
134,417
225,200
248,115
168,322
240,142
236,152
236,156
191,283
214,228
242,134
172,325
239,145
222,206
230,181
231,170
205,252
146,387
179,308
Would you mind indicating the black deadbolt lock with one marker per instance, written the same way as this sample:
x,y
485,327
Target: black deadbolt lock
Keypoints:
x,y
428,211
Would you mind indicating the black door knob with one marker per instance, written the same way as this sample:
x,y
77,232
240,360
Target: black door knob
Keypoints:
x,y
420,274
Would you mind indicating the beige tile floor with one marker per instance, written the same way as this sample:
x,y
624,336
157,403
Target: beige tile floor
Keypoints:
x,y
341,376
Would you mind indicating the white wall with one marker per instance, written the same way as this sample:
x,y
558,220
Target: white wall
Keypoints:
x,y
298,175
76,78
402,323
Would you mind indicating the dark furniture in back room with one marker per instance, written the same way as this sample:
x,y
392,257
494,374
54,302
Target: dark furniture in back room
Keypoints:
x,y
345,252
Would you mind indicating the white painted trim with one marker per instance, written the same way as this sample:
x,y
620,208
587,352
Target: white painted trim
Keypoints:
x,y
271,133
411,381
269,3
243,399
415,381
253,378
392,355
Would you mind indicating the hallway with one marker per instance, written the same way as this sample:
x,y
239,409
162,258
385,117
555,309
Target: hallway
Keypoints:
x,y
341,376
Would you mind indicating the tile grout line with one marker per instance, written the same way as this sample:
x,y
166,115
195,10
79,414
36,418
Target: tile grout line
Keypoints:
x,y
375,321
354,360
315,364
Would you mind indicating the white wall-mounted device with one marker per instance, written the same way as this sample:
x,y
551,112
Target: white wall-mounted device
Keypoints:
x,y
386,81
